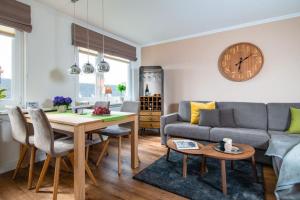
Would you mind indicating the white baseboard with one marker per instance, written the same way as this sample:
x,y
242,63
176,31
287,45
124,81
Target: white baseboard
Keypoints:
x,y
11,165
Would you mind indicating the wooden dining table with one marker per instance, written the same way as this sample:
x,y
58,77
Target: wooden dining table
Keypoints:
x,y
79,125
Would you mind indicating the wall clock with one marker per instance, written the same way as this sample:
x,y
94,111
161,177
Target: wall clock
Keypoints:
x,y
241,61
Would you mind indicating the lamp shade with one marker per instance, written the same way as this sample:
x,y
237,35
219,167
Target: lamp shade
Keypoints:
x,y
108,90
74,70
103,66
88,68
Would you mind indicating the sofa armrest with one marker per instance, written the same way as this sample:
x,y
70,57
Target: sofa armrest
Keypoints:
x,y
164,120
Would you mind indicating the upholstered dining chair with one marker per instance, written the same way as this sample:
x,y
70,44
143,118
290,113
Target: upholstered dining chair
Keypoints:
x,y
21,134
119,131
104,104
44,140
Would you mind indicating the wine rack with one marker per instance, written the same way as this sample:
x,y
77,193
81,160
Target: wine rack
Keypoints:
x,y
150,103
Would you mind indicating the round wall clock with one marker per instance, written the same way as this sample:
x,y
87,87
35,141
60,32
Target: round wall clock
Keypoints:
x,y
241,61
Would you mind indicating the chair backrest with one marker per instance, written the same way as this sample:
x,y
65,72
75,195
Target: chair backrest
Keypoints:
x,y
43,133
130,106
104,104
19,127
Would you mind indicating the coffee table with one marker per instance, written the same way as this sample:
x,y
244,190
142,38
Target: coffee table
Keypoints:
x,y
209,151
195,152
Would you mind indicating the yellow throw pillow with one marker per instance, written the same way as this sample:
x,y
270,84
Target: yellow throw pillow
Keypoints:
x,y
196,110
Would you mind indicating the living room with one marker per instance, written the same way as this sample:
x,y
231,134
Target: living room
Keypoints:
x,y
150,99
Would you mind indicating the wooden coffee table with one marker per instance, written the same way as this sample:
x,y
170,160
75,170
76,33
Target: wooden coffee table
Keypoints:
x,y
209,151
171,145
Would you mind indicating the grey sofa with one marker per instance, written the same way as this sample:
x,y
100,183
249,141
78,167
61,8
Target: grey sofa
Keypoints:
x,y
256,123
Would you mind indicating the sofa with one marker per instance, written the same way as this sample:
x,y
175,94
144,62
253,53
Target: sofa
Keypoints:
x,y
255,124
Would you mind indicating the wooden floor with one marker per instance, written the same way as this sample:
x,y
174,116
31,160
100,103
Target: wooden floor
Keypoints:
x,y
110,186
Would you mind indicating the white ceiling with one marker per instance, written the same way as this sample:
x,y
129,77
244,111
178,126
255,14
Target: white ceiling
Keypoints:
x,y
152,21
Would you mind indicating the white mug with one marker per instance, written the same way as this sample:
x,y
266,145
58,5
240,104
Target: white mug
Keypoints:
x,y
228,144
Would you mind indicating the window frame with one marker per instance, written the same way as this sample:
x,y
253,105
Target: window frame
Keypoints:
x,y
99,76
18,71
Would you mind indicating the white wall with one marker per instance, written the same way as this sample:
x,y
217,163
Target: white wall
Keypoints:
x,y
191,66
49,54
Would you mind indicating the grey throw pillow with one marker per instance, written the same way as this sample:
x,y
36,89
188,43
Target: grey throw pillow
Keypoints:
x,y
210,118
227,118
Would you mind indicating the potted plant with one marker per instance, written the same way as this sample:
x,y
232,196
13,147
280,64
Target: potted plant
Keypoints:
x,y
121,88
2,93
62,103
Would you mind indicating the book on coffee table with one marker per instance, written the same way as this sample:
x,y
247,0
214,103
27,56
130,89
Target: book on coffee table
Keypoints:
x,y
185,144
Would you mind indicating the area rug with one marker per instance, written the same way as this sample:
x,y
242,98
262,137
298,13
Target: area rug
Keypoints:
x,y
167,175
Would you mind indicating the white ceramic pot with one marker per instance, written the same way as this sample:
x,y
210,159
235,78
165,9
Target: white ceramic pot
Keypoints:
x,y
62,108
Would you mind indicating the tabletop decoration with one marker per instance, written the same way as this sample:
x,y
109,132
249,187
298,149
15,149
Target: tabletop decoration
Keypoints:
x,y
101,111
62,103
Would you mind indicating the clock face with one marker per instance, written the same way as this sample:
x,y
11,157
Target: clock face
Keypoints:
x,y
241,62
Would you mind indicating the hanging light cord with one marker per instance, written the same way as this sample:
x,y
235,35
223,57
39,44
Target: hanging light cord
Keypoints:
x,y
74,32
88,32
103,29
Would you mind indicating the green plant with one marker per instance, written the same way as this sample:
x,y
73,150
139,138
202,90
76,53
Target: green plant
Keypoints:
x,y
2,93
121,88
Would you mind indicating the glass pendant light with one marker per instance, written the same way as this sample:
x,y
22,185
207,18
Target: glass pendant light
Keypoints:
x,y
103,66
88,68
74,69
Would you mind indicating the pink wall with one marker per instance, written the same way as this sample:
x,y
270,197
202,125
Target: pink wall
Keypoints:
x,y
191,66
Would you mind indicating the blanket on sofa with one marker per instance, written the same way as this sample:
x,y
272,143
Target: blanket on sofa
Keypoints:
x,y
287,149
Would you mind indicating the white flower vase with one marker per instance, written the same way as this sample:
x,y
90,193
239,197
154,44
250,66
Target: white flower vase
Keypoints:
x,y
62,109
122,99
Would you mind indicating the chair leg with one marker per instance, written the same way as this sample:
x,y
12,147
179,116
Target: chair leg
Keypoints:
x,y
23,152
89,172
104,150
119,155
56,177
87,153
65,165
87,168
31,167
43,173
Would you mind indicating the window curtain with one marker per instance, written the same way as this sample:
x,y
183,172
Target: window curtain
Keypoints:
x,y
82,36
16,15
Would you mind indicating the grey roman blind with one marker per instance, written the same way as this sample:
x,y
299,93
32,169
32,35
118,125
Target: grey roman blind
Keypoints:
x,y
15,14
112,46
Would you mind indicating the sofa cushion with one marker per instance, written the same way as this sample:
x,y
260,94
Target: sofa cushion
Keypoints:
x,y
279,115
270,132
247,115
227,118
187,130
210,118
255,137
184,110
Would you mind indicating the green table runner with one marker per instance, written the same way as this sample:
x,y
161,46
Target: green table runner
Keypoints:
x,y
106,118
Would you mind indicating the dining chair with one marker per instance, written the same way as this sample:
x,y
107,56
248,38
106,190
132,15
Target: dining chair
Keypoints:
x,y
119,131
20,133
104,104
59,148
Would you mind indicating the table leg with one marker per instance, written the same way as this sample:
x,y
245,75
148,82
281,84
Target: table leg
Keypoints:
x,y
79,163
203,166
184,165
134,143
223,174
168,154
254,169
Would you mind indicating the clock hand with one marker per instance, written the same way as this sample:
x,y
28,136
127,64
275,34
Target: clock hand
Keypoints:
x,y
241,60
246,58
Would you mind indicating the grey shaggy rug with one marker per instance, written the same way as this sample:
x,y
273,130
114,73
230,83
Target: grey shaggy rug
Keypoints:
x,y
167,175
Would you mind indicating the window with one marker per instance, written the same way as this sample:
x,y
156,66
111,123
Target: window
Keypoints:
x,y
92,86
6,54
11,51
87,82
118,73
